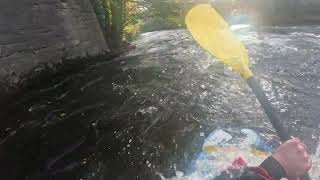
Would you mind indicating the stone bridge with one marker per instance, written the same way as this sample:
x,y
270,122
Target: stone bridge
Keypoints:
x,y
35,34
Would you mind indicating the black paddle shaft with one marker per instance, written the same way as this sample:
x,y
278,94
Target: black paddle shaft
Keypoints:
x,y
271,113
269,110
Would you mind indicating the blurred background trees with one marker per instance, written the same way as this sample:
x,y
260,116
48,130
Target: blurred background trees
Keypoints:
x,y
124,19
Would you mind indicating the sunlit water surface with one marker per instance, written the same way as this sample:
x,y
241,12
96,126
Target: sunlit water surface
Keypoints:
x,y
148,112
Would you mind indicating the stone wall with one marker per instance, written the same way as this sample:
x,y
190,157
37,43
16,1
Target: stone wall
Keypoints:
x,y
41,33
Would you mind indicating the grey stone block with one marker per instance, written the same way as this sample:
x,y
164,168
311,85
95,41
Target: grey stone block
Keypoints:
x,y
39,32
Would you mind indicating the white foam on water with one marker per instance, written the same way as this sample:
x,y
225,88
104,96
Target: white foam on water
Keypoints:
x,y
237,27
318,150
315,170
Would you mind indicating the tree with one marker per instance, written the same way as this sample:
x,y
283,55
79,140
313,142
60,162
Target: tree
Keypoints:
x,y
120,18
111,16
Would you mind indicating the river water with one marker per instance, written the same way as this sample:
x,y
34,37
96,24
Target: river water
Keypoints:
x,y
149,111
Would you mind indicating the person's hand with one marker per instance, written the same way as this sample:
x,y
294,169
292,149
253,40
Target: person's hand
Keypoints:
x,y
294,158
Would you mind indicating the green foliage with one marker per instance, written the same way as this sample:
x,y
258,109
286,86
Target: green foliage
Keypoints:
x,y
124,19
157,23
131,31
166,14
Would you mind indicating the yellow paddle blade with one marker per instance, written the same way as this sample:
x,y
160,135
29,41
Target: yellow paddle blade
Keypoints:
x,y
211,31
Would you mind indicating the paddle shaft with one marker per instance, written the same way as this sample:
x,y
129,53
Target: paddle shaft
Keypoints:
x,y
271,113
